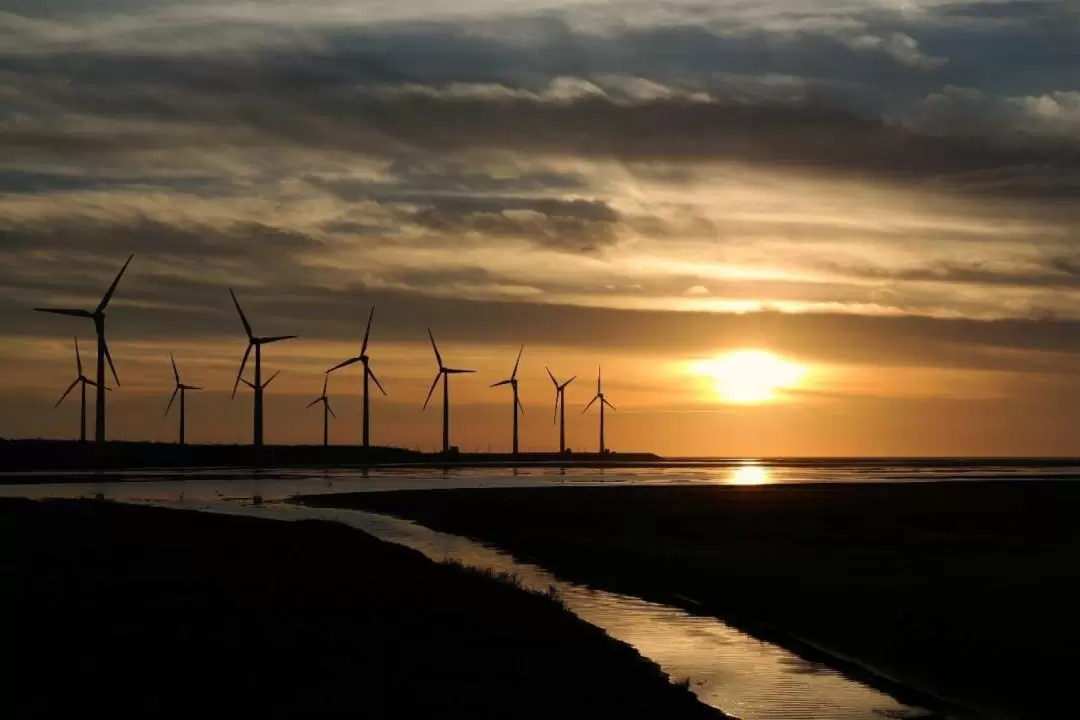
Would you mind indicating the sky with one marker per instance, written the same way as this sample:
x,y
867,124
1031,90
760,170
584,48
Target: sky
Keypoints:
x,y
883,194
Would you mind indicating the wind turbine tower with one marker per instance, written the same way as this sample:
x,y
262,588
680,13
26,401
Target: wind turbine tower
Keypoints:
x,y
98,316
327,411
560,408
603,401
82,380
513,383
368,374
180,389
444,375
258,386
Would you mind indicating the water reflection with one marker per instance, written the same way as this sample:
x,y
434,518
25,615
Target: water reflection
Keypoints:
x,y
750,474
745,677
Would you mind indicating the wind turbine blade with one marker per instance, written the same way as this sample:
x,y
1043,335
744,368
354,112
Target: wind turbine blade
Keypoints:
x,y
112,288
553,380
78,357
64,311
608,404
176,373
567,383
66,393
191,387
167,409
243,319
590,404
316,400
240,374
348,362
520,406
503,382
367,333
271,379
555,419
326,380
426,401
108,356
276,338
377,384
435,347
88,381
457,371
597,379
331,410
245,381
517,362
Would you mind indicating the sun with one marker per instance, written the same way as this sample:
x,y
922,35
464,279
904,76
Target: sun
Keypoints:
x,y
750,376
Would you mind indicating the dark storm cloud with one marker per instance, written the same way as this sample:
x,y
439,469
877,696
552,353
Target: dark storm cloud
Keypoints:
x,y
679,130
566,224
1054,272
395,90
77,257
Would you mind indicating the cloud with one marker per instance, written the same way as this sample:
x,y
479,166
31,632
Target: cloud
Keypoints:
x,y
567,224
1054,115
902,48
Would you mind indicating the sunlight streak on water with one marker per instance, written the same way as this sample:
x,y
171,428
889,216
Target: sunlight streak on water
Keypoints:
x,y
743,676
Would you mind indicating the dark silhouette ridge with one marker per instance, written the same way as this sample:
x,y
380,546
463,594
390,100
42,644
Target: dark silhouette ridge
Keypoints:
x,y
368,374
964,590
560,407
118,605
82,381
182,390
444,374
327,411
98,316
70,455
258,386
513,383
603,401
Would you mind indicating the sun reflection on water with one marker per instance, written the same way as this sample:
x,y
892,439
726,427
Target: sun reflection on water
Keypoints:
x,y
750,474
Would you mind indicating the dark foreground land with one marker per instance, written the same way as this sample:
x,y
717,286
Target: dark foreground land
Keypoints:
x,y
967,590
119,608
33,456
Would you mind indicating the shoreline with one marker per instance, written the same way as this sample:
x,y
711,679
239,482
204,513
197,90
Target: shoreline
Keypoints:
x,y
136,599
34,457
939,594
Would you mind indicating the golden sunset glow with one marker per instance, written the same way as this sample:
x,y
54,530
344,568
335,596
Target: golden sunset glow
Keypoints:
x,y
751,376
750,474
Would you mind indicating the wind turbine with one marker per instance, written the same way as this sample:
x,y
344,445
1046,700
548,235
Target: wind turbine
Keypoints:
x,y
560,405
182,389
258,386
444,373
603,401
80,380
327,411
98,316
363,358
513,383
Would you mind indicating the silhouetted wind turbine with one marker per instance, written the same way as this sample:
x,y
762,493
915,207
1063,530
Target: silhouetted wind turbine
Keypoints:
x,y
258,386
182,389
80,380
98,316
513,383
363,358
560,405
444,373
327,411
603,401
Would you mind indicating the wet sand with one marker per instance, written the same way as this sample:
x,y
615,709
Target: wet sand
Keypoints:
x,y
965,590
164,611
